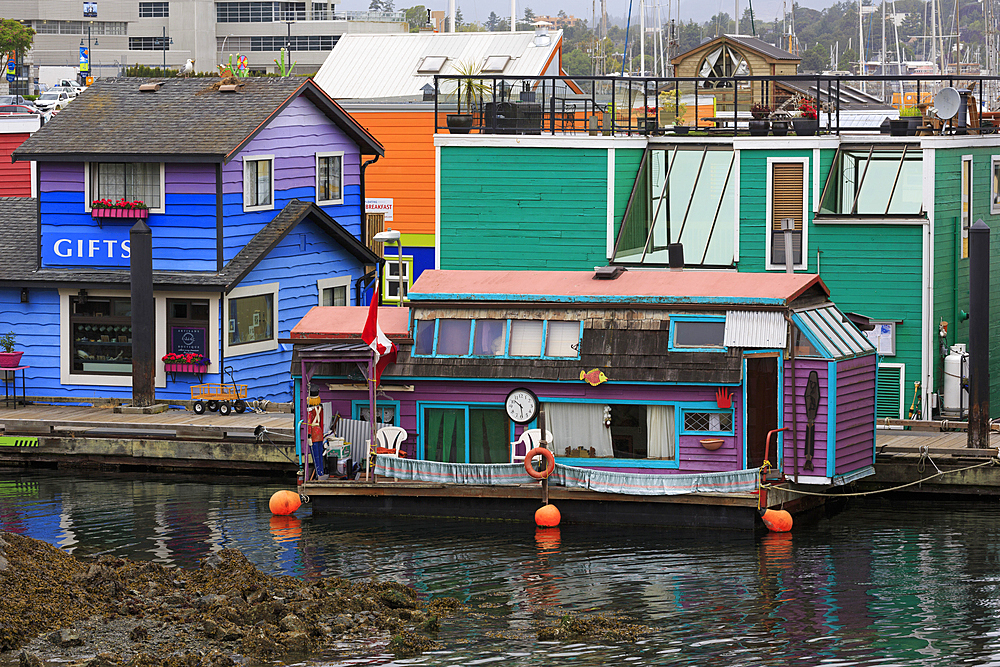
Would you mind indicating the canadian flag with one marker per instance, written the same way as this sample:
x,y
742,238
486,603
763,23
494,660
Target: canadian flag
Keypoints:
x,y
384,349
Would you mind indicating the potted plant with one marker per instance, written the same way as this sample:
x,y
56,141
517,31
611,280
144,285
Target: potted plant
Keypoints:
x,y
672,110
808,122
760,124
779,123
9,358
105,208
914,117
467,90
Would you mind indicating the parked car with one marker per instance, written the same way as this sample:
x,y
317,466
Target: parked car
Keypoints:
x,y
53,99
72,91
17,109
12,99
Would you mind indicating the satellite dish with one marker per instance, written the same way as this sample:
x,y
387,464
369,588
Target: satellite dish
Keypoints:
x,y
947,102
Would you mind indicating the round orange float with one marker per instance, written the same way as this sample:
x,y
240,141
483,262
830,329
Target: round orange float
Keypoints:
x,y
547,516
777,521
284,502
550,462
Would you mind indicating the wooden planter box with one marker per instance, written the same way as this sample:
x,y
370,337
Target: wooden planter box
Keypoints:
x,y
126,213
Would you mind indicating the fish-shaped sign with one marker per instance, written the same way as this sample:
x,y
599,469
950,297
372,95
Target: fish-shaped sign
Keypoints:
x,y
593,377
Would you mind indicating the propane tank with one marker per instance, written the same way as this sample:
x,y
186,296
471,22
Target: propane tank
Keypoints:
x,y
956,372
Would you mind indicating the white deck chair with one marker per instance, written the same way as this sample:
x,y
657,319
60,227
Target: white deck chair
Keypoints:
x,y
529,440
388,441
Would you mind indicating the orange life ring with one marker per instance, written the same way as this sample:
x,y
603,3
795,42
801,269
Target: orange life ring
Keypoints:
x,y
550,462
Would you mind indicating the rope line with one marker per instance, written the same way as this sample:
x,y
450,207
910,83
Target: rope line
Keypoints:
x,y
992,461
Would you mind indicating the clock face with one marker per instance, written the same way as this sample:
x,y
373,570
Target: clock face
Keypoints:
x,y
522,405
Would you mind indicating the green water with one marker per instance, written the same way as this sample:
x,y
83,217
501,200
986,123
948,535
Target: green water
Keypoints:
x,y
886,583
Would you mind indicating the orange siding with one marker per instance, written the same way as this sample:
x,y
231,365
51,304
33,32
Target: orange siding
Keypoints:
x,y
15,178
406,173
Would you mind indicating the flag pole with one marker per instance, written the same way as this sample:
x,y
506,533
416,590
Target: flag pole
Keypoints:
x,y
371,412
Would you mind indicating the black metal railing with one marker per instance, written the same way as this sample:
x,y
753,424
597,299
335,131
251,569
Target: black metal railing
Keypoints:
x,y
684,105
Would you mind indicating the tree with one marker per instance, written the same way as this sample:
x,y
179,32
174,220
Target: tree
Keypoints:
x,y
493,22
416,17
459,20
529,15
562,14
15,37
388,5
577,63
375,6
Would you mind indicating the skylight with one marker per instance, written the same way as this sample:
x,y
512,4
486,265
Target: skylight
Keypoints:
x,y
431,64
495,64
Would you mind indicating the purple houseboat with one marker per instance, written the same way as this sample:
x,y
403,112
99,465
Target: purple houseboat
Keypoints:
x,y
658,388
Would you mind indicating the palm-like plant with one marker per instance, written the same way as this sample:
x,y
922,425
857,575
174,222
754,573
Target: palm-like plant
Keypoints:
x,y
469,89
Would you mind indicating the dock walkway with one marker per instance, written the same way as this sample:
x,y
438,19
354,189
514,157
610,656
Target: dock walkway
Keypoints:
x,y
57,435
903,457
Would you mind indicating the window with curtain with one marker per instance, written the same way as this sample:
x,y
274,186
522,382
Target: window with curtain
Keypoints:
x,y
453,337
578,425
328,178
526,338
490,339
424,343
444,435
562,339
257,183
132,181
660,433
489,435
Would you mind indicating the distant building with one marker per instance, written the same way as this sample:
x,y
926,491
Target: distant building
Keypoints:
x,y
560,22
151,33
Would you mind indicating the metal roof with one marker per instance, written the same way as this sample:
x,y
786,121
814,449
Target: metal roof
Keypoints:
x,y
654,287
831,332
385,66
756,328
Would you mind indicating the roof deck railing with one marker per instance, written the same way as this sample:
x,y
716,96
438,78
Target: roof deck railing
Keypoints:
x,y
644,106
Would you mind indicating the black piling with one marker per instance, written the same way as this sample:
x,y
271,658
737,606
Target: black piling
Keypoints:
x,y
979,335
143,314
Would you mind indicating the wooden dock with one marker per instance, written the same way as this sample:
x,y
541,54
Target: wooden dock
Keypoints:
x,y
175,439
903,457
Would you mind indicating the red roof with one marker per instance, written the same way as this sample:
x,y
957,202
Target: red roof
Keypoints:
x,y
639,286
337,322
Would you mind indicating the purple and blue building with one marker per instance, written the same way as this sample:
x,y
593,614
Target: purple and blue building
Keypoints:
x,y
253,193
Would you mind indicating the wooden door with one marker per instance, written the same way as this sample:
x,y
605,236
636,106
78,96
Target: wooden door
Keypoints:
x,y
761,408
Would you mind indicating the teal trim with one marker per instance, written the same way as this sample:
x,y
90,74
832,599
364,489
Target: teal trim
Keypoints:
x,y
831,418
506,353
779,441
703,406
804,328
602,298
296,404
617,463
411,378
356,407
875,425
421,406
674,319
743,416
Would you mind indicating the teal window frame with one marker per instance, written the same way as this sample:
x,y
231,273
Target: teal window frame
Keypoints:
x,y
465,407
674,319
506,350
358,405
702,406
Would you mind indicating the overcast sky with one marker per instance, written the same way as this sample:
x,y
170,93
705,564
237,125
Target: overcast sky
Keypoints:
x,y
696,10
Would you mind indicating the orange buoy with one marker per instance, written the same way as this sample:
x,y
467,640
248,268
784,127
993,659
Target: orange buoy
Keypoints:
x,y
547,516
777,521
284,502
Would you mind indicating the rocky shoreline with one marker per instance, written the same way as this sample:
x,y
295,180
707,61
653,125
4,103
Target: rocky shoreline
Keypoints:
x,y
115,612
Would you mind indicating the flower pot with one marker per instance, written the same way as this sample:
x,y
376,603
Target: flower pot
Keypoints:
x,y
759,127
898,127
127,213
459,123
10,359
779,128
712,444
680,129
914,124
805,127
185,368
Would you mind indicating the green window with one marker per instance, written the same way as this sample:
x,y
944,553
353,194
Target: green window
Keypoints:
x,y
463,434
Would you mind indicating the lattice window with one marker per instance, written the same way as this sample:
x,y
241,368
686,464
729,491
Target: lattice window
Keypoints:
x,y
712,422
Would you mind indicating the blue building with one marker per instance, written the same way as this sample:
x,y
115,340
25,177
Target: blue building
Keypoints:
x,y
253,194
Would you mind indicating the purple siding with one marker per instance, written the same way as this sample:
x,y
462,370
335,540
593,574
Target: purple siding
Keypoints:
x,y
61,176
294,137
855,413
192,179
693,457
796,391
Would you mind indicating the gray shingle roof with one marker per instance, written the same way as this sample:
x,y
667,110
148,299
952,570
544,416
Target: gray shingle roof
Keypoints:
x,y
19,248
187,120
760,45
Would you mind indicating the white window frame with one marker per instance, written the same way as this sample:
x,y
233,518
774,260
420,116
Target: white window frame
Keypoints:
x,y
330,283
965,199
255,347
327,202
265,207
994,186
88,196
391,264
769,265
873,337
66,375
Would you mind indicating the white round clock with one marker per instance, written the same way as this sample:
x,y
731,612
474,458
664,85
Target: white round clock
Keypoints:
x,y
522,405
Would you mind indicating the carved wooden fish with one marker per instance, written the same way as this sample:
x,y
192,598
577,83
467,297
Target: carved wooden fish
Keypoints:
x,y
593,377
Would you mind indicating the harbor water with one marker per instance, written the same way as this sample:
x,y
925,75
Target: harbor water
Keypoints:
x,y
882,582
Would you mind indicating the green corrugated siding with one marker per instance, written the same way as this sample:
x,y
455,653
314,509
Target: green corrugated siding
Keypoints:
x,y
951,288
523,208
874,270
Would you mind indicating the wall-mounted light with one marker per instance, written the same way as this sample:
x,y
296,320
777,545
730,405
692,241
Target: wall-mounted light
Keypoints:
x,y
24,295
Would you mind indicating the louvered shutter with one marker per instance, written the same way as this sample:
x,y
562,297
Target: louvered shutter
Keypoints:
x,y
888,401
786,202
